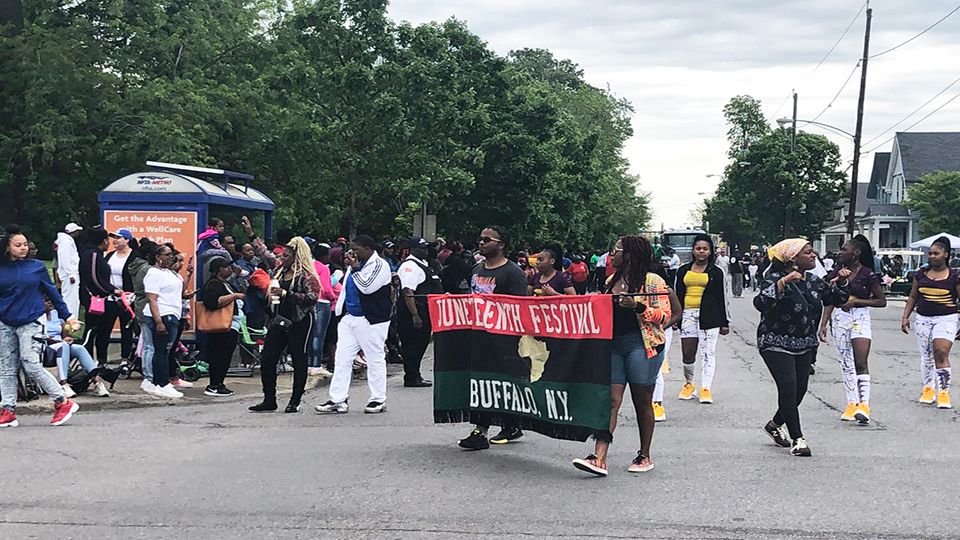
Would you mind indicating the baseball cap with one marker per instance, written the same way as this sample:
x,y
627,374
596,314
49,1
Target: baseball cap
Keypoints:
x,y
122,233
72,227
415,242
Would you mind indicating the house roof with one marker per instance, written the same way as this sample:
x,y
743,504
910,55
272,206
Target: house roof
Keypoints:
x,y
878,177
863,199
887,210
922,153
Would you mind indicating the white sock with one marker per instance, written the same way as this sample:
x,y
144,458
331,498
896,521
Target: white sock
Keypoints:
x,y
863,388
658,389
688,373
943,376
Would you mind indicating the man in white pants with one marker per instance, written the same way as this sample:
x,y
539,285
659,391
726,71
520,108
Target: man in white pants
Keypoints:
x,y
365,303
68,266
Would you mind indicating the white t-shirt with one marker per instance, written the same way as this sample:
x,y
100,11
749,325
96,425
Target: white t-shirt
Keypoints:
x,y
674,262
168,286
723,262
116,263
411,274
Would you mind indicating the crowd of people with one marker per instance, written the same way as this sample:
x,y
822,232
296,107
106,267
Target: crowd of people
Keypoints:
x,y
330,307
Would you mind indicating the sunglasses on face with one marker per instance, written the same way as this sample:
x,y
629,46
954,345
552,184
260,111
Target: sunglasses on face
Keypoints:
x,y
487,239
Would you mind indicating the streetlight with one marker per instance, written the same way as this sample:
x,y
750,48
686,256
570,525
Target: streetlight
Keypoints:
x,y
852,198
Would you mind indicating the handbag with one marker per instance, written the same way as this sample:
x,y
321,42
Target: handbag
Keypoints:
x,y
279,322
214,321
98,305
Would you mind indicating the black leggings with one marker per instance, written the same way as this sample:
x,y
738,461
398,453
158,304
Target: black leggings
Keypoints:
x,y
219,350
100,328
791,373
295,341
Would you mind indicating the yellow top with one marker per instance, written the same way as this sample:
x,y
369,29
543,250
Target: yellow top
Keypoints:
x,y
696,283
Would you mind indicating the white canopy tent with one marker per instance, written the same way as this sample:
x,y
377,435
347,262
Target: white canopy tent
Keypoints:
x,y
925,243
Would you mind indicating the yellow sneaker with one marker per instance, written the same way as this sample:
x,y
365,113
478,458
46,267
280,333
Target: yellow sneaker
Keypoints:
x,y
943,400
686,392
659,413
928,396
705,395
863,413
665,367
848,414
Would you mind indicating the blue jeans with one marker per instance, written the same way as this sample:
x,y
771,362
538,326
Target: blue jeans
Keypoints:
x,y
79,352
629,362
19,349
319,335
162,344
146,355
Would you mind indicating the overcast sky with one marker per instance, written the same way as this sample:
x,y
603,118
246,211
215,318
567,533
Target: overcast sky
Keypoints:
x,y
680,61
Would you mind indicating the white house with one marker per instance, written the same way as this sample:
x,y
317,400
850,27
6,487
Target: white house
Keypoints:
x,y
880,216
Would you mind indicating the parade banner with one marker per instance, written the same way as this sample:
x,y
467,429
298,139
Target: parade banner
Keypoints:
x,y
537,363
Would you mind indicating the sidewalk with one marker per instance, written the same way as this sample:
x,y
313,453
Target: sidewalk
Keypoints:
x,y
126,394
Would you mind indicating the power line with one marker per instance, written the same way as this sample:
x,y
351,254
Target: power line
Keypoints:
x,y
824,59
911,126
844,85
927,29
913,112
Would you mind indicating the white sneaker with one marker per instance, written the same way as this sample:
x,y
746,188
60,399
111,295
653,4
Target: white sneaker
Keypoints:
x,y
331,407
313,371
148,386
68,391
168,391
180,383
100,389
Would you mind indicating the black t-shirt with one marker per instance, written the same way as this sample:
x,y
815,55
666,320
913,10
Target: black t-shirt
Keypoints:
x,y
507,279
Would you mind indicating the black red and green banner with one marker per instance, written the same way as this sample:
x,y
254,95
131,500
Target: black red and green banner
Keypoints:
x,y
537,363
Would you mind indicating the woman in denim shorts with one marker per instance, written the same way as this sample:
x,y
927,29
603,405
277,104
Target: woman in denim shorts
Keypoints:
x,y
638,345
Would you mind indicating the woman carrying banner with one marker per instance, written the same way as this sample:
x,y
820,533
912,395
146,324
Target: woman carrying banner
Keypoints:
x,y
790,304
700,286
935,293
851,325
638,346
549,278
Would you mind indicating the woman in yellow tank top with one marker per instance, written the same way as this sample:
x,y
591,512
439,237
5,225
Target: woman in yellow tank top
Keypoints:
x,y
700,283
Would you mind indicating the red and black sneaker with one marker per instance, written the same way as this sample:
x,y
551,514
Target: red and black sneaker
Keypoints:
x,y
63,411
8,418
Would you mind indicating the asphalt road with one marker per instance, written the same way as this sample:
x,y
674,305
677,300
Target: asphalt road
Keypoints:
x,y
212,472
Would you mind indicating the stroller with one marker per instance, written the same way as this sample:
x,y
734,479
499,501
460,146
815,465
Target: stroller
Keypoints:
x,y
189,366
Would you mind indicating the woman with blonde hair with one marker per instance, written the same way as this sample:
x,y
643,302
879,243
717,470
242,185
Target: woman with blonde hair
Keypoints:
x,y
293,295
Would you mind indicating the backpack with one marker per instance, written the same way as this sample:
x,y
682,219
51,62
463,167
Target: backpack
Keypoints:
x,y
579,273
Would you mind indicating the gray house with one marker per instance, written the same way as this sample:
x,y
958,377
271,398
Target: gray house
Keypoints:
x,y
880,215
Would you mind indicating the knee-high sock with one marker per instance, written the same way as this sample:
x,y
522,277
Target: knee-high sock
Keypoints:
x,y
943,377
688,373
708,356
863,388
927,365
658,389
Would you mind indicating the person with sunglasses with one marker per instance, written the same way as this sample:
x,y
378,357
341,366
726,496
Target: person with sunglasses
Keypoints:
x,y
495,275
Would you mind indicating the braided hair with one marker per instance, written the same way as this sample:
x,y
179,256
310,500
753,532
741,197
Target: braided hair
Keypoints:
x,y
302,258
638,261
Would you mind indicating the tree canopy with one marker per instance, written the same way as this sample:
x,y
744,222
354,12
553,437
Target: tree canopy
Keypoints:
x,y
350,121
936,197
766,185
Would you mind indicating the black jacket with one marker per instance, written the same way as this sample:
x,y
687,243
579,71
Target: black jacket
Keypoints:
x,y
713,306
94,276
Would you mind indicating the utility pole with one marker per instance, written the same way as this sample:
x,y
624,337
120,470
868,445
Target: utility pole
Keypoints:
x,y
855,173
788,217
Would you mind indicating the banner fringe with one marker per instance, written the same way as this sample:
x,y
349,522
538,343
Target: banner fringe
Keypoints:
x,y
549,429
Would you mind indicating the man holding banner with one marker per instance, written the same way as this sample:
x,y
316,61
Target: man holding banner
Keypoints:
x,y
494,275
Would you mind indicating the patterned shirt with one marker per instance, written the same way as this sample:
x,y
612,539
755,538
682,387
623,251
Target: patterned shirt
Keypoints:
x,y
789,318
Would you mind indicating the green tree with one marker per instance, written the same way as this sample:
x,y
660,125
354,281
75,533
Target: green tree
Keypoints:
x,y
745,124
936,197
772,185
